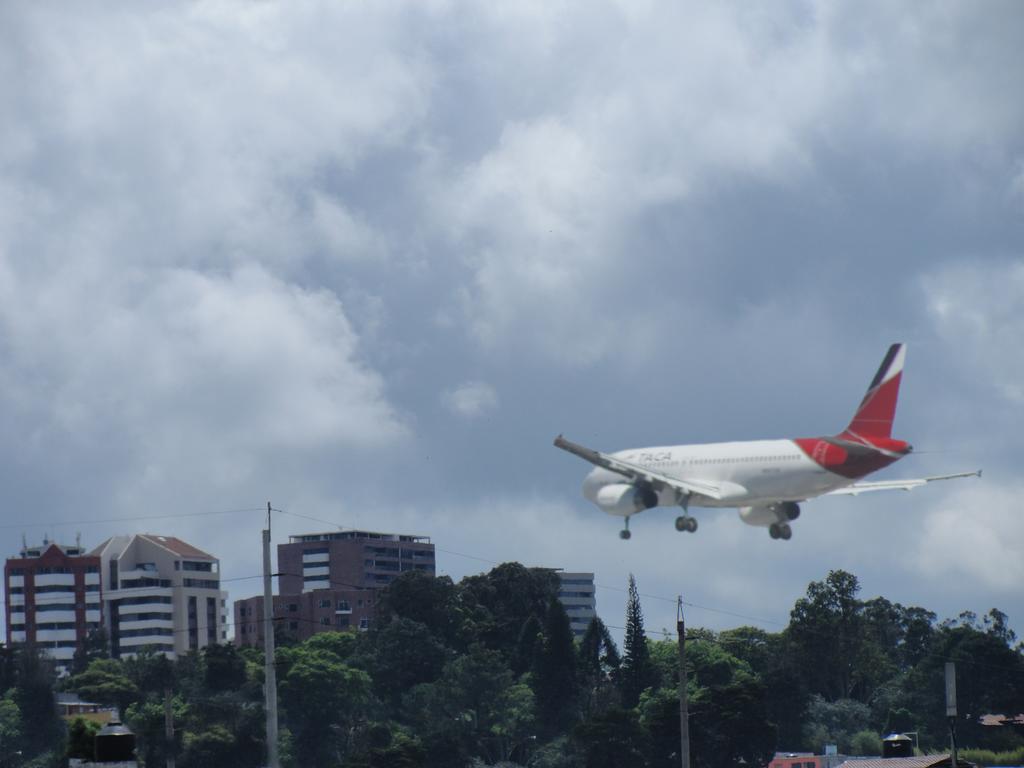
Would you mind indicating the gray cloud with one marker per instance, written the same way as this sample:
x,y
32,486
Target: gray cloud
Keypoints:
x,y
244,247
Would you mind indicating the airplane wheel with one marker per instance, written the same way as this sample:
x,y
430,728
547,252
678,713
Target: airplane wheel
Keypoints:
x,y
691,525
624,534
794,511
773,530
785,532
681,524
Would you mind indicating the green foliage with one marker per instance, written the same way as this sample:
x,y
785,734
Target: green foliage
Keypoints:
x,y
495,605
81,738
43,731
105,682
611,739
835,722
10,728
866,743
404,653
211,748
599,664
322,697
554,672
990,758
486,673
637,673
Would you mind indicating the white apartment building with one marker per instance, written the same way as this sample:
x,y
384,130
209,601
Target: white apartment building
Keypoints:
x,y
576,593
162,593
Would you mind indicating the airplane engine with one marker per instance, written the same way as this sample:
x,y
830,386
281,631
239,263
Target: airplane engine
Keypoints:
x,y
624,499
763,515
768,514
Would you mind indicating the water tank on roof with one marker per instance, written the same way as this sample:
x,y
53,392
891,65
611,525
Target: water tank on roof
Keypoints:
x,y
114,743
897,745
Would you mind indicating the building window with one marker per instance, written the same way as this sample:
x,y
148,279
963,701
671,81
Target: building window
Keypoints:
x,y
325,620
325,603
293,607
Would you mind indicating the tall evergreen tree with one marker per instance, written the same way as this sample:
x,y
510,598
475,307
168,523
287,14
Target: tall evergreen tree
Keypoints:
x,y
554,670
637,671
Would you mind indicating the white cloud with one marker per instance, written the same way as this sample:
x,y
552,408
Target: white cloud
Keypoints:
x,y
975,535
471,399
978,310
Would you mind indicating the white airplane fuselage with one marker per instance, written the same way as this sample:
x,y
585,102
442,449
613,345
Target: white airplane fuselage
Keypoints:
x,y
764,479
749,473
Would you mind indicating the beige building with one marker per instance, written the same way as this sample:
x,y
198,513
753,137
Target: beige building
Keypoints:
x,y
162,593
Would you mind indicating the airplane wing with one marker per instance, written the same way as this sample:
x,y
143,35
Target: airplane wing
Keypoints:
x,y
637,473
896,485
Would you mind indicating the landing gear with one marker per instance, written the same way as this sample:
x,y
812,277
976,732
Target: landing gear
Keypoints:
x,y
780,531
624,534
686,523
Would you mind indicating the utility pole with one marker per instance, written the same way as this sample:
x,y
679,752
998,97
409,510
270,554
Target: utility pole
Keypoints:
x,y
269,673
684,712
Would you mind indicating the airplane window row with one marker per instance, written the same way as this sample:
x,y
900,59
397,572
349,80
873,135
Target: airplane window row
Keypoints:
x,y
725,460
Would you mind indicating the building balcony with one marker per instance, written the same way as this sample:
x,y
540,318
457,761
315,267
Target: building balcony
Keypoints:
x,y
55,580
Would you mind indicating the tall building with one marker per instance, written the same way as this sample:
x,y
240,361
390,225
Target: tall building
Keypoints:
x,y
576,593
160,593
350,559
52,598
328,581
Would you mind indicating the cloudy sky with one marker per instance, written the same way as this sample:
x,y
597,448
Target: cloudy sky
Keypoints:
x,y
366,260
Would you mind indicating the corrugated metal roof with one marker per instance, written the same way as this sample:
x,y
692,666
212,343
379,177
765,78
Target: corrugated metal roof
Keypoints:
x,y
919,761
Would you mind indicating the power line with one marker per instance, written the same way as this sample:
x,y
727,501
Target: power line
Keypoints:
x,y
175,515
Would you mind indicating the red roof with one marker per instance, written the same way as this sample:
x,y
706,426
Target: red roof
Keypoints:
x,y
177,546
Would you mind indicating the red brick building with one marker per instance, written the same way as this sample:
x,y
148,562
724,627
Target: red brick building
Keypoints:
x,y
328,581
52,598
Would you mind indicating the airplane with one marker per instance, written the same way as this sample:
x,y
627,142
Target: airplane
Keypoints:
x,y
766,480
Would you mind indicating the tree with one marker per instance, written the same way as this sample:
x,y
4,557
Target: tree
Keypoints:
x,y
825,628
475,709
554,672
105,682
213,747
10,728
404,653
612,739
33,693
730,725
835,722
494,606
636,672
421,597
95,646
599,664
322,697
82,738
223,668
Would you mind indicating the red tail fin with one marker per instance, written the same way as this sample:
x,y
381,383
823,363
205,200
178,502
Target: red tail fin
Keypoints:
x,y
878,408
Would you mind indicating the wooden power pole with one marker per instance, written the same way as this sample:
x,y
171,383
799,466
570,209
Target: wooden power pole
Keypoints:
x,y
684,712
269,673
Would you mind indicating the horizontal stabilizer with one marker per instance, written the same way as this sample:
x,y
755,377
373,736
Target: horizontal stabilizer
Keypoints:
x,y
896,485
